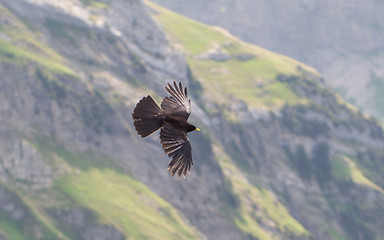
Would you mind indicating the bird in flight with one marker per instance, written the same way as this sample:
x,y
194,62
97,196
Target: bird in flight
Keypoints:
x,y
172,119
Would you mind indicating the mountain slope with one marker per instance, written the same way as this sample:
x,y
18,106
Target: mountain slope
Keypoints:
x,y
46,102
342,40
315,116
279,156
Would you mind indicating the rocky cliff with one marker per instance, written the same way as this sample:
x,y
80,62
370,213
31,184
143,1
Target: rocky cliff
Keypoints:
x,y
279,156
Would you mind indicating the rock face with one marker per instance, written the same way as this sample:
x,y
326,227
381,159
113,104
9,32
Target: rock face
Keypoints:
x,y
14,212
21,162
344,41
82,222
73,167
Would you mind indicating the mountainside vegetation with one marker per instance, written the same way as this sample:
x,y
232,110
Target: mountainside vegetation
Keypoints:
x,y
317,33
280,156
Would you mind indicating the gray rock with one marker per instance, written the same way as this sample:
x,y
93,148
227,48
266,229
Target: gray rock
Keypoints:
x,y
216,54
85,224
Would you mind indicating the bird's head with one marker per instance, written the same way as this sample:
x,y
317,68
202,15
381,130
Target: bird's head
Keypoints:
x,y
191,128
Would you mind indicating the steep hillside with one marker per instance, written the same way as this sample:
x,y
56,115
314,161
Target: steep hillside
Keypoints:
x,y
343,40
288,133
279,156
55,185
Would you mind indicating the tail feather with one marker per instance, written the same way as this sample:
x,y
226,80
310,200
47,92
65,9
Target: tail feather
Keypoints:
x,y
146,116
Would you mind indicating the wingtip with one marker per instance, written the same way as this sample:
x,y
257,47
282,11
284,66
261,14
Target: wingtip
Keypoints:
x,y
173,171
167,87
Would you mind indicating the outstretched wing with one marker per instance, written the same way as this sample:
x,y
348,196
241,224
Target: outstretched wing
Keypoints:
x,y
176,144
178,103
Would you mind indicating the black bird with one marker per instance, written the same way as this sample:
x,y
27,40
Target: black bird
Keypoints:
x,y
172,119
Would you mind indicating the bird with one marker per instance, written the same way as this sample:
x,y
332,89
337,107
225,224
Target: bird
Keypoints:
x,y
171,119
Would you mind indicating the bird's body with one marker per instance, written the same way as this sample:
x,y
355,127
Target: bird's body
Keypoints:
x,y
172,119
179,122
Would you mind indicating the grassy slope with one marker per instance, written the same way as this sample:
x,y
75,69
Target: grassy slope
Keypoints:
x,y
22,46
10,229
95,3
344,168
258,210
233,77
118,199
115,198
25,227
123,202
127,204
259,213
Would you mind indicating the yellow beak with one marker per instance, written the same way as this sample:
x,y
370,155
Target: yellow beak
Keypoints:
x,y
197,129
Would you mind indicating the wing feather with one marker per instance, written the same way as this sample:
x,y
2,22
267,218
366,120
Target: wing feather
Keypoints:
x,y
178,103
176,144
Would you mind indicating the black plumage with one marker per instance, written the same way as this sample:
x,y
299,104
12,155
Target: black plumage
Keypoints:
x,y
172,119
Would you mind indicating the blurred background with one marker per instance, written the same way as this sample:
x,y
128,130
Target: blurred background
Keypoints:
x,y
288,95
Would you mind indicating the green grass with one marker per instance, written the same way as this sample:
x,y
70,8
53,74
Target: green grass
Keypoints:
x,y
19,55
259,213
126,204
340,168
95,3
27,39
249,81
252,81
10,229
346,169
115,197
358,177
33,218
100,5
271,208
194,37
249,225
45,221
336,235
83,160
23,46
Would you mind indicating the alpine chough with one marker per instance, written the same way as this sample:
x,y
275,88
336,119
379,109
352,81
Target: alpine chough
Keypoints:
x,y
172,119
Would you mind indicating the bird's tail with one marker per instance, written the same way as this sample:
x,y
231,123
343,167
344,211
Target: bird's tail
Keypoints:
x,y
146,116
